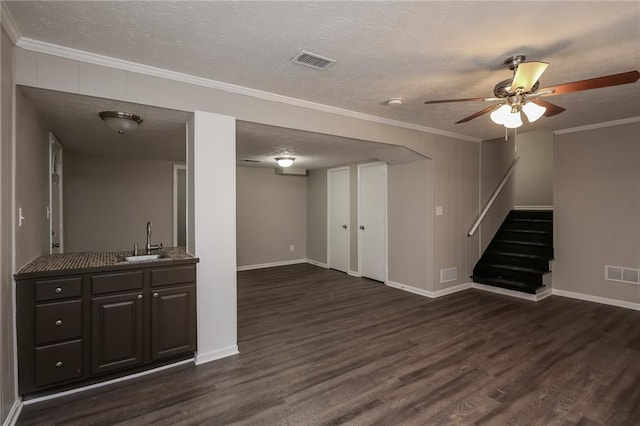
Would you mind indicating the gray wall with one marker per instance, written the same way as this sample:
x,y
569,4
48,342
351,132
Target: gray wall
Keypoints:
x,y
533,177
410,227
108,201
496,158
7,361
271,214
317,215
597,210
32,181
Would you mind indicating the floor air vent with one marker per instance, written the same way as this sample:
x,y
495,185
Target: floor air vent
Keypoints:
x,y
312,60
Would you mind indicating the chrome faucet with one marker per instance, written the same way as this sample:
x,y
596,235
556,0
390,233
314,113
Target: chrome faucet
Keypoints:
x,y
149,246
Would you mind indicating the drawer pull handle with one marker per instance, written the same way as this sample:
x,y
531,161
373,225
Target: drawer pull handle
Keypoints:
x,y
155,294
58,290
59,322
139,297
58,364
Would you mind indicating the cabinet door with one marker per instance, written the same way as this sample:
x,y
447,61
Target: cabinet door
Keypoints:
x,y
117,332
173,321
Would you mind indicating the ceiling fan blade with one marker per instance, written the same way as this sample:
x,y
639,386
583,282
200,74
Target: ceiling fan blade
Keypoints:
x,y
592,83
442,101
527,74
479,113
552,109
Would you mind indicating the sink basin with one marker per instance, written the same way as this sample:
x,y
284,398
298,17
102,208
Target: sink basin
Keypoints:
x,y
143,257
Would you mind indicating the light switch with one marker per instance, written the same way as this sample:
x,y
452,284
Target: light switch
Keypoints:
x,y
439,211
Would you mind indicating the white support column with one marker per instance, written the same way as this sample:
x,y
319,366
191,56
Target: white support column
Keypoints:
x,y
213,169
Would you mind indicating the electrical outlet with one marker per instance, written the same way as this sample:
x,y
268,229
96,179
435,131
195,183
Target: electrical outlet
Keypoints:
x,y
439,211
292,247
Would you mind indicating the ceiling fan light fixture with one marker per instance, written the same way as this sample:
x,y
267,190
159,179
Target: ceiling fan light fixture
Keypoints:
x,y
501,114
120,122
513,120
533,111
285,161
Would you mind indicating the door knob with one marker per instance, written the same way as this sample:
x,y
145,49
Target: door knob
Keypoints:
x,y
362,227
55,245
344,226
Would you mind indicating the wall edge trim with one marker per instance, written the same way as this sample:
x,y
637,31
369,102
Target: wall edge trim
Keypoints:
x,y
271,264
511,293
354,273
14,413
107,382
96,59
427,293
217,354
532,207
597,126
317,263
597,299
9,24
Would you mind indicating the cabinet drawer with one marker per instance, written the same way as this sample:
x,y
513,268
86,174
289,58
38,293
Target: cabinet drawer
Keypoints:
x,y
58,289
176,275
58,363
111,283
58,321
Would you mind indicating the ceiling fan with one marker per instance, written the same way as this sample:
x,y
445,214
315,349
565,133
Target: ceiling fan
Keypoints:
x,y
523,93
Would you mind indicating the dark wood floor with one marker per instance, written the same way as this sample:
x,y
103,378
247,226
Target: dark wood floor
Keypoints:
x,y
319,347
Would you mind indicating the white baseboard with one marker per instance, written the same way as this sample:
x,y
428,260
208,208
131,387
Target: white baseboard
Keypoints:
x,y
14,413
106,383
512,293
427,293
532,207
597,299
354,273
217,354
271,264
316,263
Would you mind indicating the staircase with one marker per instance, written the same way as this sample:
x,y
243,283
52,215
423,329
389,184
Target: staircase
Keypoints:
x,y
518,256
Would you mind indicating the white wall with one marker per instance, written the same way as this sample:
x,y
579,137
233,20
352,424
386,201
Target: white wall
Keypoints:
x,y
272,216
108,201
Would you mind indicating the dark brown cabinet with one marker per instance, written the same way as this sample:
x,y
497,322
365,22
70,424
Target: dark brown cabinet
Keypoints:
x,y
117,332
93,325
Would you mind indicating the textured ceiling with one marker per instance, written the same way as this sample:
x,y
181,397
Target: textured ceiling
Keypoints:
x,y
413,50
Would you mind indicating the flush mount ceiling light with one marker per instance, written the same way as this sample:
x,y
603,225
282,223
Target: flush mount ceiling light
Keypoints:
x,y
394,101
285,161
121,122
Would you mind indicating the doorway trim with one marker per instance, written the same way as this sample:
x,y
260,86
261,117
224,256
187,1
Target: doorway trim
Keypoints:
x,y
386,218
54,162
176,167
338,169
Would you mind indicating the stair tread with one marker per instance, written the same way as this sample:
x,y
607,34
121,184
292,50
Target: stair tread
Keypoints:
x,y
524,243
512,267
526,231
512,254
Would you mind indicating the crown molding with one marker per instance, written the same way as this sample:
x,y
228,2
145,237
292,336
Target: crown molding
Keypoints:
x,y
9,24
597,126
93,58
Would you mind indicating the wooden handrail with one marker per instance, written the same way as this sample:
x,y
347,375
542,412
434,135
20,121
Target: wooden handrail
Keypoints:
x,y
504,180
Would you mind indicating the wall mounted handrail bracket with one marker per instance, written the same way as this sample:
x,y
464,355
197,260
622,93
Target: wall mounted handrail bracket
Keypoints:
x,y
495,194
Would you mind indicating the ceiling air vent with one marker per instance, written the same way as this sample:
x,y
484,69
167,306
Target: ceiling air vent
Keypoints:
x,y
248,160
312,60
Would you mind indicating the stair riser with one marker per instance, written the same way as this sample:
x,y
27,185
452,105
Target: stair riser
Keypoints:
x,y
525,277
527,214
489,281
542,251
525,237
541,265
528,226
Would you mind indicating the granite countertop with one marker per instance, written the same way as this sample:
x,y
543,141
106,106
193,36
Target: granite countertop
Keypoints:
x,y
98,259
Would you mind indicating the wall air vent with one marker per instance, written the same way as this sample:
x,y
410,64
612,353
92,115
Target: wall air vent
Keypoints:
x,y
621,274
312,60
448,275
